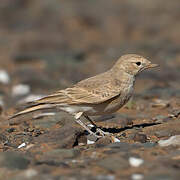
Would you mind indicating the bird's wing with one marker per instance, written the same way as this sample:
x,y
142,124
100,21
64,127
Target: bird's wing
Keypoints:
x,y
94,90
78,96
89,91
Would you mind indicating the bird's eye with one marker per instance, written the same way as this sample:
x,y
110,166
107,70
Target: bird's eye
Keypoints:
x,y
138,63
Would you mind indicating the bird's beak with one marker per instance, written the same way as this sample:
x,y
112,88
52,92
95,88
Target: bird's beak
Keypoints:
x,y
152,65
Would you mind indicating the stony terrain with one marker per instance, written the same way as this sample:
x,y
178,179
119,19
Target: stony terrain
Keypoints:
x,y
48,45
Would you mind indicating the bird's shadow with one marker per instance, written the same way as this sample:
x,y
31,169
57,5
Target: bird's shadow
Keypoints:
x,y
118,130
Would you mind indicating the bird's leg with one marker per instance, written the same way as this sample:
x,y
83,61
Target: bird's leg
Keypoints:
x,y
98,129
77,117
90,120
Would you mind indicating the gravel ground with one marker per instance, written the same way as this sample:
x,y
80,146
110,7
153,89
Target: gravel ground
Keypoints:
x,y
49,45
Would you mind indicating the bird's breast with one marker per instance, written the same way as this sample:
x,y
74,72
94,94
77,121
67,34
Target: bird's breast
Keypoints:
x,y
120,101
114,104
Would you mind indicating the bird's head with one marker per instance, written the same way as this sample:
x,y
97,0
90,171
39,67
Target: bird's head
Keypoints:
x,y
133,64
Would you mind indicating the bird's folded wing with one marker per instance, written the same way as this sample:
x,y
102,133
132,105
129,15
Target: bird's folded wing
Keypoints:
x,y
79,95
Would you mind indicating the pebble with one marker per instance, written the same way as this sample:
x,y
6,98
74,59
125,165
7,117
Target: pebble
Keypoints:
x,y
29,146
4,77
123,146
90,142
1,105
159,118
160,103
114,163
29,173
175,113
135,162
115,140
90,125
162,133
77,161
105,177
140,137
103,141
1,102
149,144
13,160
173,140
22,145
61,153
20,90
137,177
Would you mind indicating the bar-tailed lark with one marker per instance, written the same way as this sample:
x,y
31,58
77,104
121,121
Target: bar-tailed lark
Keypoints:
x,y
99,95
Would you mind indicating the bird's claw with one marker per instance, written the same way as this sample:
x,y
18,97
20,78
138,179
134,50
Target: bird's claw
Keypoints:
x,y
102,133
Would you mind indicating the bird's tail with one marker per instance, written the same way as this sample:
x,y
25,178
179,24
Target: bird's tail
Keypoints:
x,y
32,109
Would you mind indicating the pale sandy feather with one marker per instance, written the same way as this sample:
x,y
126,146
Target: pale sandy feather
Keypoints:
x,y
31,109
93,90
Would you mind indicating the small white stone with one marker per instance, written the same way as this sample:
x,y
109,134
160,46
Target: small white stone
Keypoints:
x,y
4,77
90,142
90,125
20,90
137,177
22,145
74,161
29,173
77,161
1,103
173,140
94,155
116,140
135,162
81,144
105,177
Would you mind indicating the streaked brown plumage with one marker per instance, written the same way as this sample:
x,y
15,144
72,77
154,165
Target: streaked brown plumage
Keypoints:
x,y
102,94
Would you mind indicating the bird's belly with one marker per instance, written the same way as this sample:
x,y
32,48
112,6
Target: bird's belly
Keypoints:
x,y
73,109
107,107
95,109
115,104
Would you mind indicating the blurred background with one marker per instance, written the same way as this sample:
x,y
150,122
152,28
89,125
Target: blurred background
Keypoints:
x,y
51,44
46,45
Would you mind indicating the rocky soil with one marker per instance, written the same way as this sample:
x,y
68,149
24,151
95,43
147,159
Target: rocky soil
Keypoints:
x,y
49,45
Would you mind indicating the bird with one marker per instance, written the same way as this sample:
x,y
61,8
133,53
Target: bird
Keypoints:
x,y
102,94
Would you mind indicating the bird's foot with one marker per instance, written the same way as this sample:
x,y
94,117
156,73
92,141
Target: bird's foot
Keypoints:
x,y
97,136
102,133
94,136
113,138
